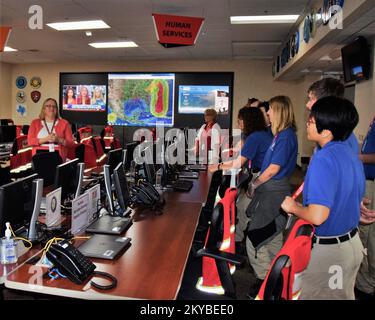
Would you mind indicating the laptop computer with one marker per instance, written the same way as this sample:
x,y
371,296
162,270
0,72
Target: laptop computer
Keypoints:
x,y
109,225
104,246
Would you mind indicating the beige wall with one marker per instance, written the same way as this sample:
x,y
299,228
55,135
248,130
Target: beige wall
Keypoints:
x,y
365,100
5,90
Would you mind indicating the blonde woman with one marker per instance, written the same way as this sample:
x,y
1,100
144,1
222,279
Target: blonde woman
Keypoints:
x,y
264,238
49,131
98,98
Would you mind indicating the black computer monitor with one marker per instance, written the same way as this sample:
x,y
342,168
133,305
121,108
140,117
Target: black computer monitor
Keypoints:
x,y
114,158
7,134
16,203
69,176
130,147
121,187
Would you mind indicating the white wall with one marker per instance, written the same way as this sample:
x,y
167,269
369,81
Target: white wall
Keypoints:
x,y
5,90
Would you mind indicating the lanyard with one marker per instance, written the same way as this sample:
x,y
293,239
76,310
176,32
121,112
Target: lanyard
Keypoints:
x,y
53,125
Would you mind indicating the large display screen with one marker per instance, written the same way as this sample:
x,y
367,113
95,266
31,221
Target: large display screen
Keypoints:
x,y
193,99
84,98
136,99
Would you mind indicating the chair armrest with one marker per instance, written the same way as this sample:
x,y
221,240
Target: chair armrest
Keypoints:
x,y
221,255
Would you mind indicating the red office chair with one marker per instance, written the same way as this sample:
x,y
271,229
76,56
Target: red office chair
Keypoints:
x,y
85,133
283,279
94,153
21,154
218,258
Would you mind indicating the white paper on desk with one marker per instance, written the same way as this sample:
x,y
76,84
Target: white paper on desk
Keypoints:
x,y
80,213
94,198
53,208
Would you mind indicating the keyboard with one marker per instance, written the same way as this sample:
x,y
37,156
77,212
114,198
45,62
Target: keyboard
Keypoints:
x,y
182,185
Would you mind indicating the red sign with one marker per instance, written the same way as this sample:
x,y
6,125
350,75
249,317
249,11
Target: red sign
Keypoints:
x,y
174,31
4,34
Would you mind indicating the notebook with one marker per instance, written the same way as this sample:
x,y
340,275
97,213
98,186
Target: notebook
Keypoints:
x,y
104,246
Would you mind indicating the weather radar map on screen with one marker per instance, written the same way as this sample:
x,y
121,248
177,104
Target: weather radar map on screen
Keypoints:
x,y
196,99
141,99
84,98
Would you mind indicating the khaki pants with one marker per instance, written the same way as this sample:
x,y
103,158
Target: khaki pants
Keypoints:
x,y
242,203
262,259
366,275
332,271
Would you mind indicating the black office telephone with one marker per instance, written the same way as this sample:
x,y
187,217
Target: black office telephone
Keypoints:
x,y
70,262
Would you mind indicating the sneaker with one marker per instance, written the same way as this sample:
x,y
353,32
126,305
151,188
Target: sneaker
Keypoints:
x,y
252,294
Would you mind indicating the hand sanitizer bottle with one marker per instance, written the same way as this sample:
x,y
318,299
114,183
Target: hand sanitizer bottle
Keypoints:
x,y
8,247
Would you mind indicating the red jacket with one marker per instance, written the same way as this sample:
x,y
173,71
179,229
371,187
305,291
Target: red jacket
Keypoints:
x,y
62,129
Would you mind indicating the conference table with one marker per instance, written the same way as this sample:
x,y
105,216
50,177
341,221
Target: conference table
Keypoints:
x,y
151,268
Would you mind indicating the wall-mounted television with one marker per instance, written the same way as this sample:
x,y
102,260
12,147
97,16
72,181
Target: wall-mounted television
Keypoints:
x,y
356,60
141,99
83,97
195,99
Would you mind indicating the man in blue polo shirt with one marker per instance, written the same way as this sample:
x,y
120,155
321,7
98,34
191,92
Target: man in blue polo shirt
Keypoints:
x,y
330,87
334,187
365,284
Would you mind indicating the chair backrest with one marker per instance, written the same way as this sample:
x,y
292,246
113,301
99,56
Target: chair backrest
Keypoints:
x,y
44,164
216,275
283,279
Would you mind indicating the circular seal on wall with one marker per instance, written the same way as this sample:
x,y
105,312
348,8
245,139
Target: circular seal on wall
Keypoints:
x,y
21,97
21,82
36,82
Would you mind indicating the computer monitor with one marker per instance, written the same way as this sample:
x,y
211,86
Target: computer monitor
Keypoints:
x,y
69,177
130,147
114,158
7,134
121,188
17,200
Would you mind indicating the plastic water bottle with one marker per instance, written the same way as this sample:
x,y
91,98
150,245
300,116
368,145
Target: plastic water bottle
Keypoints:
x,y
8,247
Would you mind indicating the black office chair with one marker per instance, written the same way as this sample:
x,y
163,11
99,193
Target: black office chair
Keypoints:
x,y
44,164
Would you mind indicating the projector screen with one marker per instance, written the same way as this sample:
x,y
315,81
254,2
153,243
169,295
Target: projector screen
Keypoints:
x,y
141,99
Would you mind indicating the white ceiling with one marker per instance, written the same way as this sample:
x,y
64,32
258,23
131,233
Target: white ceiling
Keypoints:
x,y
131,20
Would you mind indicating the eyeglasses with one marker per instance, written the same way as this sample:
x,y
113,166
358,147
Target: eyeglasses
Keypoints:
x,y
50,106
310,121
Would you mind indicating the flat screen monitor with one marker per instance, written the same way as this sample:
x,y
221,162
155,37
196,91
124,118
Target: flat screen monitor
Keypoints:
x,y
83,98
121,187
16,203
67,177
195,99
141,99
114,158
7,134
356,60
130,147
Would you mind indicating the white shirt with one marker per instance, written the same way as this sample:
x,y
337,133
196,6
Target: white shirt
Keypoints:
x,y
44,132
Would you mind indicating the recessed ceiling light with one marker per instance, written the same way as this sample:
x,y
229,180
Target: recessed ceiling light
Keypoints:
x,y
88,33
9,49
263,19
79,25
118,44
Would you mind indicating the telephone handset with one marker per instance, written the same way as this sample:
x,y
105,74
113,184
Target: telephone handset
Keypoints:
x,y
70,262
151,191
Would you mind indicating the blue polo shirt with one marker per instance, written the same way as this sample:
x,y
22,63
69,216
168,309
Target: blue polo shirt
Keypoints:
x,y
369,147
353,143
283,152
335,179
255,147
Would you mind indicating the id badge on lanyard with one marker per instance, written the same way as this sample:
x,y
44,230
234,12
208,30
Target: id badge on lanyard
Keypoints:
x,y
51,146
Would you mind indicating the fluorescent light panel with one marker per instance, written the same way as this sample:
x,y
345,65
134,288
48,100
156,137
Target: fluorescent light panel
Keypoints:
x,y
118,44
263,19
9,49
79,25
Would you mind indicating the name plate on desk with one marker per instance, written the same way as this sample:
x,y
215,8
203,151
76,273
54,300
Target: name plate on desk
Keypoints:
x,y
94,202
80,212
53,208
